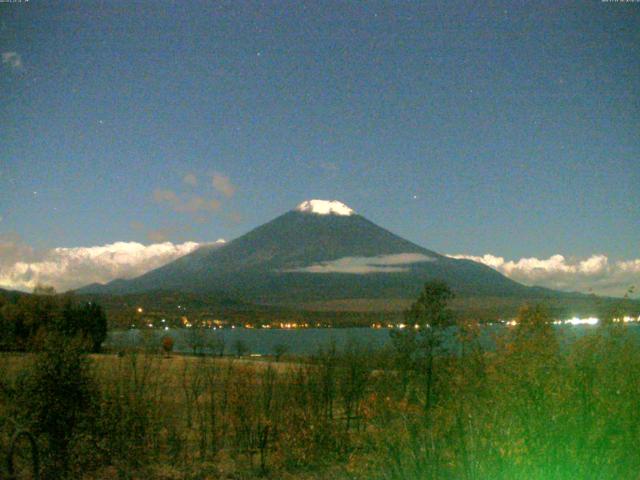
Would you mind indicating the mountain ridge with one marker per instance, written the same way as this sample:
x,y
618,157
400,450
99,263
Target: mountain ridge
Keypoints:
x,y
320,250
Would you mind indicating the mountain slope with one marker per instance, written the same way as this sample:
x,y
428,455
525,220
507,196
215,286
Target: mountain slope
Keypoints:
x,y
319,251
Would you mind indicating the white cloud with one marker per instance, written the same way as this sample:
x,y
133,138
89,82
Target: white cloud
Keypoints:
x,y
169,196
594,274
361,265
197,204
190,179
632,266
22,267
12,59
192,205
223,185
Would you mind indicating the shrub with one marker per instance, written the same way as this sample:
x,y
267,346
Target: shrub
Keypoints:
x,y
56,398
167,345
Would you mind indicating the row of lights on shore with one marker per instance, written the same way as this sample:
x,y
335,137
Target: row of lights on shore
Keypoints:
x,y
586,321
512,323
217,324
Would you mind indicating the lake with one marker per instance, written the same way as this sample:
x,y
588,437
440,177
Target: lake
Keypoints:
x,y
303,341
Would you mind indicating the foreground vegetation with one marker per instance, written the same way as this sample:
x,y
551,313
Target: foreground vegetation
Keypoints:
x,y
26,320
533,408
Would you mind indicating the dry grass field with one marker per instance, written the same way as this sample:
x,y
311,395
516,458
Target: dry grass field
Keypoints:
x,y
529,409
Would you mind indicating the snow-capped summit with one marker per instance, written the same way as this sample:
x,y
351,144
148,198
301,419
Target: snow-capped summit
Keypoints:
x,y
325,207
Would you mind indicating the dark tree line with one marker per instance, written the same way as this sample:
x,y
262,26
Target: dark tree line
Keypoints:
x,y
26,320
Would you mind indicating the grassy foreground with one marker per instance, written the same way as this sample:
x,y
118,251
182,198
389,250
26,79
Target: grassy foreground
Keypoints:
x,y
529,410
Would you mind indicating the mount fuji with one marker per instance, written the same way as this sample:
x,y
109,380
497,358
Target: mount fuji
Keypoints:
x,y
322,250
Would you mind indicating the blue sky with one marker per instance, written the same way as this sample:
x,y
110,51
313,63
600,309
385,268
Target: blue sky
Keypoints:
x,y
466,127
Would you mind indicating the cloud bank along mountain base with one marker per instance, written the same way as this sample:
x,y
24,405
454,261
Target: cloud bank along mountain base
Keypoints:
x,y
594,274
23,267
379,264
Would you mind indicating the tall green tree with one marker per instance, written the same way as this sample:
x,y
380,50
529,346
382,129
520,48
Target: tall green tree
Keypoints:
x,y
94,324
56,396
422,338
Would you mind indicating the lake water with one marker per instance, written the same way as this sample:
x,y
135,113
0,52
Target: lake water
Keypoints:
x,y
301,341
